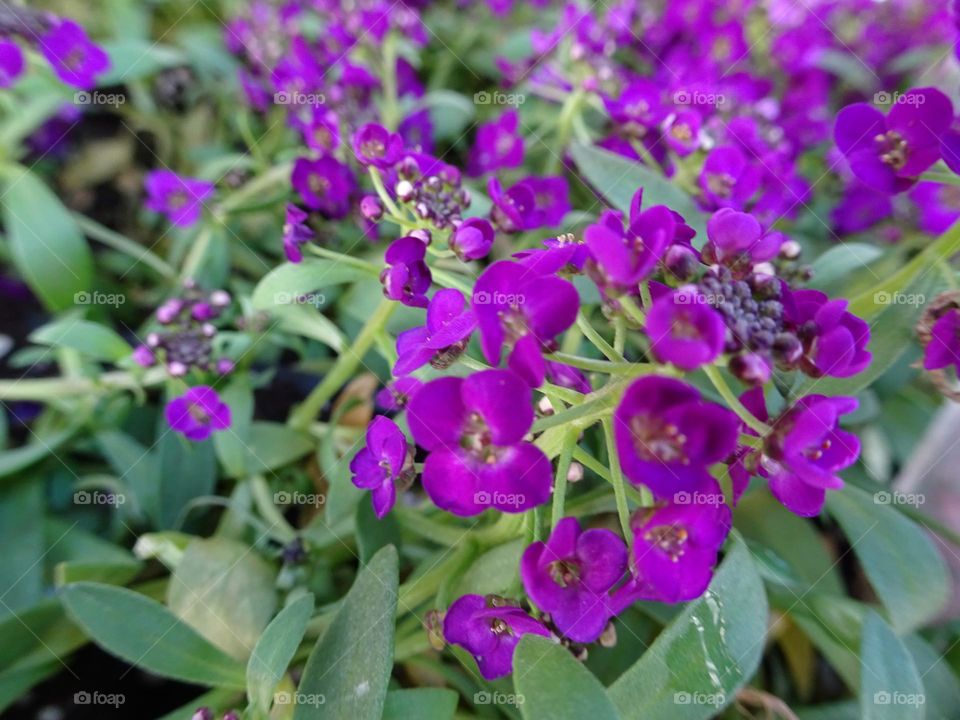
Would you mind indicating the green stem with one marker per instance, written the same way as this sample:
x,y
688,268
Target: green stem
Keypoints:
x,y
645,297
364,265
734,402
198,250
381,189
563,468
122,243
343,369
619,334
594,337
632,311
256,188
619,489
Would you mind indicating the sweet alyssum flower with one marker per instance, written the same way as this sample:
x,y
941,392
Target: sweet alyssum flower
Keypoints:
x,y
943,350
889,152
11,63
296,233
570,576
449,325
684,329
325,184
667,435
834,340
398,392
74,58
805,451
406,277
181,199
738,239
532,203
198,413
498,145
728,179
675,547
382,464
374,145
473,239
489,628
473,430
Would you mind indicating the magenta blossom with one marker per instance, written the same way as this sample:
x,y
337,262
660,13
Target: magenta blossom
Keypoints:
x,y
685,330
198,413
625,256
805,451
570,577
74,59
498,146
473,239
834,340
406,277
728,178
296,233
381,464
532,203
180,199
375,145
667,435
489,628
889,153
445,336
943,350
473,430
325,184
736,238
398,392
11,63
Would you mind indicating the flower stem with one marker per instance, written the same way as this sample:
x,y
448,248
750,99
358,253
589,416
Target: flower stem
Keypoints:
x,y
619,490
632,310
121,243
563,467
594,337
734,402
343,369
384,196
345,259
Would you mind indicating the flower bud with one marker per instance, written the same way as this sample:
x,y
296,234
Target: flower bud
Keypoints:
x,y
371,207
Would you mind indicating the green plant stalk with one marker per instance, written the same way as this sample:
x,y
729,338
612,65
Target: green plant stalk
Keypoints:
x,y
377,179
734,402
632,310
590,333
619,489
343,369
364,265
198,251
563,467
123,244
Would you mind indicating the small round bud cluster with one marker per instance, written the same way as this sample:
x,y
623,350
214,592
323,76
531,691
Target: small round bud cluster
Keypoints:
x,y
186,338
438,197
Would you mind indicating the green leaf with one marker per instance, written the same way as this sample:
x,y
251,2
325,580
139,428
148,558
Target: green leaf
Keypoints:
x,y
833,267
21,536
135,58
890,686
940,686
77,555
700,661
283,284
187,470
232,446
349,668
902,563
450,113
848,67
374,533
275,649
45,242
13,461
494,572
425,703
617,179
556,686
145,633
135,465
224,590
274,445
89,338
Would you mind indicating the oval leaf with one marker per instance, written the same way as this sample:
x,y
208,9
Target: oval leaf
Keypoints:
x,y
275,650
890,686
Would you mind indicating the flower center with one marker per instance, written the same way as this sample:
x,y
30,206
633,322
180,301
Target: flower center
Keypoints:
x,y
319,185
682,132
892,148
476,439
721,184
565,572
499,627
198,414
374,148
655,440
668,538
815,453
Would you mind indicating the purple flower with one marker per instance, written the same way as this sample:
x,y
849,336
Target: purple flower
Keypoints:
x,y
498,146
834,340
625,256
380,465
473,239
512,302
682,132
489,629
296,232
939,206
197,413
180,199
568,377
320,129
736,238
324,184
74,59
144,356
675,547
862,207
806,449
685,330
442,339
888,153
728,179
398,392
667,435
532,203
473,430
943,349
571,575
11,63
375,145
406,277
